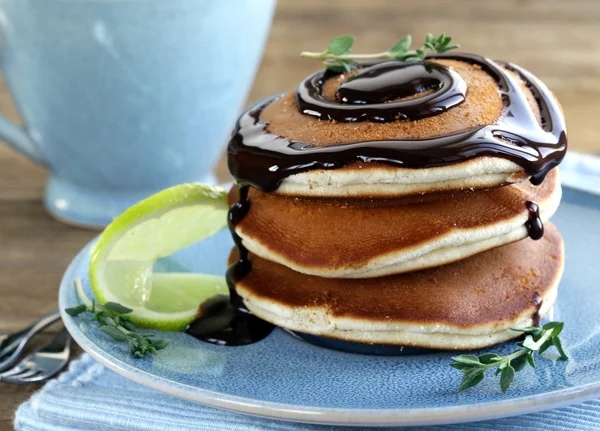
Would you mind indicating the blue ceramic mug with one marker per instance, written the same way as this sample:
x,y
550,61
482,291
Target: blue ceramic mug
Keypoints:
x,y
122,98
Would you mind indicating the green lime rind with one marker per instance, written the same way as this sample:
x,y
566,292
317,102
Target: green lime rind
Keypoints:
x,y
210,285
153,228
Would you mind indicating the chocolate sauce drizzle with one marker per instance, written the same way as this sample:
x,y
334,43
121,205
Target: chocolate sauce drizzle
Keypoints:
x,y
536,317
227,322
370,93
263,159
534,225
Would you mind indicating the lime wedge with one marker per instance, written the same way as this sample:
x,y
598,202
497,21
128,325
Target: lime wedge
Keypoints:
x,y
123,257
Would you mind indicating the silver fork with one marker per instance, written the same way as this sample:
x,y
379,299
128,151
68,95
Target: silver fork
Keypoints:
x,y
12,345
43,363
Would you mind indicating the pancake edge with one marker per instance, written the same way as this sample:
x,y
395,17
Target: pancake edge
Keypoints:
x,y
380,180
443,337
451,247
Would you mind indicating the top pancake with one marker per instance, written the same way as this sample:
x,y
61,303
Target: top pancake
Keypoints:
x,y
482,106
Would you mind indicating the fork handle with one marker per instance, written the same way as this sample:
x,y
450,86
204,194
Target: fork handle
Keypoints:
x,y
24,334
45,321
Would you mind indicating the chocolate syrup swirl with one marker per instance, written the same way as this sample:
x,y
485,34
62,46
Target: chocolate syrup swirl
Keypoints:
x,y
371,93
263,159
534,225
227,322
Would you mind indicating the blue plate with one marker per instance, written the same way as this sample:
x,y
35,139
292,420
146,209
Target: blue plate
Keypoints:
x,y
284,377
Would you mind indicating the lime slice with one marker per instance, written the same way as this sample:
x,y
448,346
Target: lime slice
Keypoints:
x,y
123,257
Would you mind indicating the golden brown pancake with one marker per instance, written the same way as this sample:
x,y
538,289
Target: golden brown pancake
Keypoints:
x,y
371,238
482,106
464,305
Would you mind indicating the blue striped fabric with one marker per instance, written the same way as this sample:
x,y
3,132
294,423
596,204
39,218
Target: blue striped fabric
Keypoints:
x,y
91,397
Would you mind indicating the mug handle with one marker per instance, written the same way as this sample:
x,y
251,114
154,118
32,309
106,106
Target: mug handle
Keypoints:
x,y
18,138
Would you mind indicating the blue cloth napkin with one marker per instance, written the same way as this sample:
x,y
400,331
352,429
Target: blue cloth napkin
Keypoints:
x,y
90,397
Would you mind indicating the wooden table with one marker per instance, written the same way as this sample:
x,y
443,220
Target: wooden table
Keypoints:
x,y
557,40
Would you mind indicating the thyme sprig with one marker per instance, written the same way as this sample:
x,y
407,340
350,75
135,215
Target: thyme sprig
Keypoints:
x,y
537,340
338,56
114,321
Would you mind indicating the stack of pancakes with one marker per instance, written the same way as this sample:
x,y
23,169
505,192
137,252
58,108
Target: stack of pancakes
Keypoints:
x,y
436,256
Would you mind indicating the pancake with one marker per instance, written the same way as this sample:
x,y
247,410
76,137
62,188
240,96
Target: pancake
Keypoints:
x,y
464,305
482,106
286,125
372,238
376,180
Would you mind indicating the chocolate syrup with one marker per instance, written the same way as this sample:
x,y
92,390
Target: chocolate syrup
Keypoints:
x,y
536,318
226,325
227,322
370,93
242,267
534,225
263,159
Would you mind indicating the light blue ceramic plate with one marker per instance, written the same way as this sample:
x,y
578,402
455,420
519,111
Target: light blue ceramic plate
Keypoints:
x,y
283,377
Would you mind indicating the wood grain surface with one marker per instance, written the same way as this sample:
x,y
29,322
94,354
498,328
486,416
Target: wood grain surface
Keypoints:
x,y
557,40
